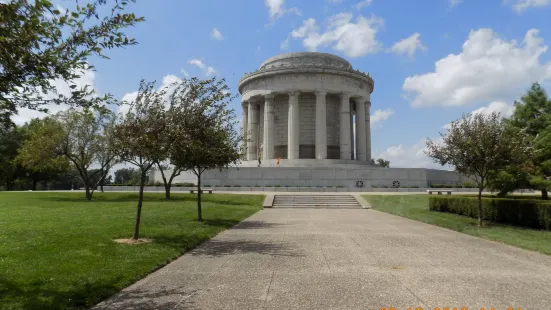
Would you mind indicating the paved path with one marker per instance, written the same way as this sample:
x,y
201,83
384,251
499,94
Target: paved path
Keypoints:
x,y
344,259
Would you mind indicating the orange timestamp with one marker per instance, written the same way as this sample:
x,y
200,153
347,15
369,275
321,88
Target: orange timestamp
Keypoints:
x,y
453,308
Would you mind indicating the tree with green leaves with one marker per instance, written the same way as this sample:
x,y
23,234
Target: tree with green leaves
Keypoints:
x,y
478,146
533,115
140,136
10,142
205,137
87,141
383,163
127,176
38,153
40,43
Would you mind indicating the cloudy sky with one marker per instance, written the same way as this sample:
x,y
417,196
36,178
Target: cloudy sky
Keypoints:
x,y
432,60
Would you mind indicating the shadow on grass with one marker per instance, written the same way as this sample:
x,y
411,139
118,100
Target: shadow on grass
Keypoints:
x,y
44,295
148,197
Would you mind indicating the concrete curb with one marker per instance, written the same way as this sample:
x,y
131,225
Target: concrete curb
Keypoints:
x,y
268,201
361,201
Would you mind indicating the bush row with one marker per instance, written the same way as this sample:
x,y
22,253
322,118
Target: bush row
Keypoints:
x,y
464,185
519,212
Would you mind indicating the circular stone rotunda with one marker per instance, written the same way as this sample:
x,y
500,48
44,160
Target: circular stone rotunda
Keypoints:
x,y
305,118
307,109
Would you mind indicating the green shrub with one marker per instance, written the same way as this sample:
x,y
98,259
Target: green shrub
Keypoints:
x,y
414,186
185,184
519,212
340,186
277,186
469,185
237,186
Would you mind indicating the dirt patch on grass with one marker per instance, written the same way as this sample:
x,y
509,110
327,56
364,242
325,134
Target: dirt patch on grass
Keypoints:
x,y
133,241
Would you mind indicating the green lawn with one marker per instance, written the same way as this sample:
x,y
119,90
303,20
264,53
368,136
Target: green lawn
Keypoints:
x,y
56,249
416,207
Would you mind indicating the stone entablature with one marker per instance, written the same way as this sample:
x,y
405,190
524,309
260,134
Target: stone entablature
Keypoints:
x,y
303,106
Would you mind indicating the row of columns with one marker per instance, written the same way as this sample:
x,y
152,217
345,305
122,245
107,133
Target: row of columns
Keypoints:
x,y
363,135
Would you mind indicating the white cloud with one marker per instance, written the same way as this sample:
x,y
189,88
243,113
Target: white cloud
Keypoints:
x,y
24,115
409,45
488,69
504,109
168,81
285,44
276,9
216,34
454,3
520,6
362,4
413,156
184,72
207,70
379,116
354,39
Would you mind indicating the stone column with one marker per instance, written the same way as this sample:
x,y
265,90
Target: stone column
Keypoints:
x,y
252,127
321,125
352,128
368,130
268,141
360,129
244,124
344,135
293,128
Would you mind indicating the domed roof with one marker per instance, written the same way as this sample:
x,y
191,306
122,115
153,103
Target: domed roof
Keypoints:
x,y
307,58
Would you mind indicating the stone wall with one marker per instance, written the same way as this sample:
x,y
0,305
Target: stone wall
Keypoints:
x,y
324,176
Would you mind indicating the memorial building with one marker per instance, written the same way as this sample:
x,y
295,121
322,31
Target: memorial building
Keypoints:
x,y
306,119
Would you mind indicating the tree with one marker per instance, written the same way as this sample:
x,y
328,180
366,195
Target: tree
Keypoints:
x,y
140,136
37,154
478,146
87,142
166,167
205,137
383,163
10,142
40,44
127,176
533,115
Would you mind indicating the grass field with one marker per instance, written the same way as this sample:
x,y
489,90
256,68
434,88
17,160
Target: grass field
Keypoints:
x,y
56,249
416,207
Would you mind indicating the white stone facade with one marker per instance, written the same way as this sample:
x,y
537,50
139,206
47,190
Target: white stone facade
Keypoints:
x,y
302,106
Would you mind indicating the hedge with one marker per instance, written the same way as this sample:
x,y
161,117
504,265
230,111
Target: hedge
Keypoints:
x,y
519,212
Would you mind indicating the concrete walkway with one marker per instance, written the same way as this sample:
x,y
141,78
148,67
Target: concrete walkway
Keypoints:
x,y
343,259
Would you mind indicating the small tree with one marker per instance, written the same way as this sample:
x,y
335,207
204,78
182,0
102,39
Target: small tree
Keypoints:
x,y
383,163
205,137
168,171
87,141
38,153
140,137
478,146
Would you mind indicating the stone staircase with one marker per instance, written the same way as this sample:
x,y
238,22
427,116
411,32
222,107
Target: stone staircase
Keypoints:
x,y
316,201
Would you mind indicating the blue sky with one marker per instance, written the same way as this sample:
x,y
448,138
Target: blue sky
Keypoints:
x,y
432,60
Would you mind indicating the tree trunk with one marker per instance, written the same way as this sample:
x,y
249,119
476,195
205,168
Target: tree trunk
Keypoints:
x,y
33,186
480,206
167,191
199,213
139,211
544,194
88,193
